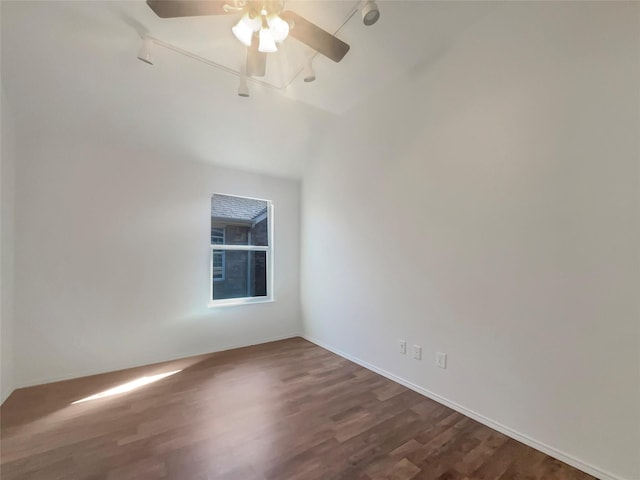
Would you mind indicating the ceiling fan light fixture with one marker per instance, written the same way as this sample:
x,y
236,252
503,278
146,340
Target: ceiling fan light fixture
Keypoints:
x,y
279,28
243,32
267,43
253,22
370,13
144,54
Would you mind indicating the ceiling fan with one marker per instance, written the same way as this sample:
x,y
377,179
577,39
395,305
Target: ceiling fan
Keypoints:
x,y
262,23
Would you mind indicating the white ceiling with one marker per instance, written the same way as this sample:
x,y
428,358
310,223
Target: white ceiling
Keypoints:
x,y
69,70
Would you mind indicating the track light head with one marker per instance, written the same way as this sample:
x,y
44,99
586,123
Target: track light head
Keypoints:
x,y
145,53
370,13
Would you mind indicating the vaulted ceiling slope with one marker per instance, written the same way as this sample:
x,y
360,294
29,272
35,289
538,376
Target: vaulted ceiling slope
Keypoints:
x,y
70,71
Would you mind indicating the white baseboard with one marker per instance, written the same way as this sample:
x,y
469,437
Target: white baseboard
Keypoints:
x,y
150,361
552,452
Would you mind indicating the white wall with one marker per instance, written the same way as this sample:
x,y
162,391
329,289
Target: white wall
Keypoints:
x,y
112,261
7,205
486,206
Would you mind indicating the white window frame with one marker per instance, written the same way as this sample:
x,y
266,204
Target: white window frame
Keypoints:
x,y
248,248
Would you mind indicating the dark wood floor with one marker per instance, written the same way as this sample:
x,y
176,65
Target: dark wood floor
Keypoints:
x,y
284,410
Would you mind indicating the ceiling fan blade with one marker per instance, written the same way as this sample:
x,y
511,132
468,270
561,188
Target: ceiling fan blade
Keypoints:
x,y
256,61
188,8
315,37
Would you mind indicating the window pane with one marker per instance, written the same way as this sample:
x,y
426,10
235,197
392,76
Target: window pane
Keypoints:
x,y
243,220
217,235
244,275
218,265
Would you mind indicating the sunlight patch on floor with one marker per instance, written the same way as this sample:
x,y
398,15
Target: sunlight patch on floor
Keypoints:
x,y
127,387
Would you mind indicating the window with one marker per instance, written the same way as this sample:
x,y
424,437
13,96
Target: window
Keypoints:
x,y
241,250
217,238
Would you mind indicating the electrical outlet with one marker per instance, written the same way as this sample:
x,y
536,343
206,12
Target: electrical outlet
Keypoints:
x,y
441,360
403,347
417,352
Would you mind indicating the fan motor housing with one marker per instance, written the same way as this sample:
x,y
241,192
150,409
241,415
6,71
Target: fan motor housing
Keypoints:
x,y
271,7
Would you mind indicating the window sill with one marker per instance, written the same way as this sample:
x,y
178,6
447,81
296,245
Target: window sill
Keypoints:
x,y
233,302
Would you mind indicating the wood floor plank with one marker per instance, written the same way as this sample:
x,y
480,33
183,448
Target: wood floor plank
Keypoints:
x,y
286,410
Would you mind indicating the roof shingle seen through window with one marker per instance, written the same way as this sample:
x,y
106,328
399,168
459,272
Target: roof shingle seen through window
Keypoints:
x,y
237,208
